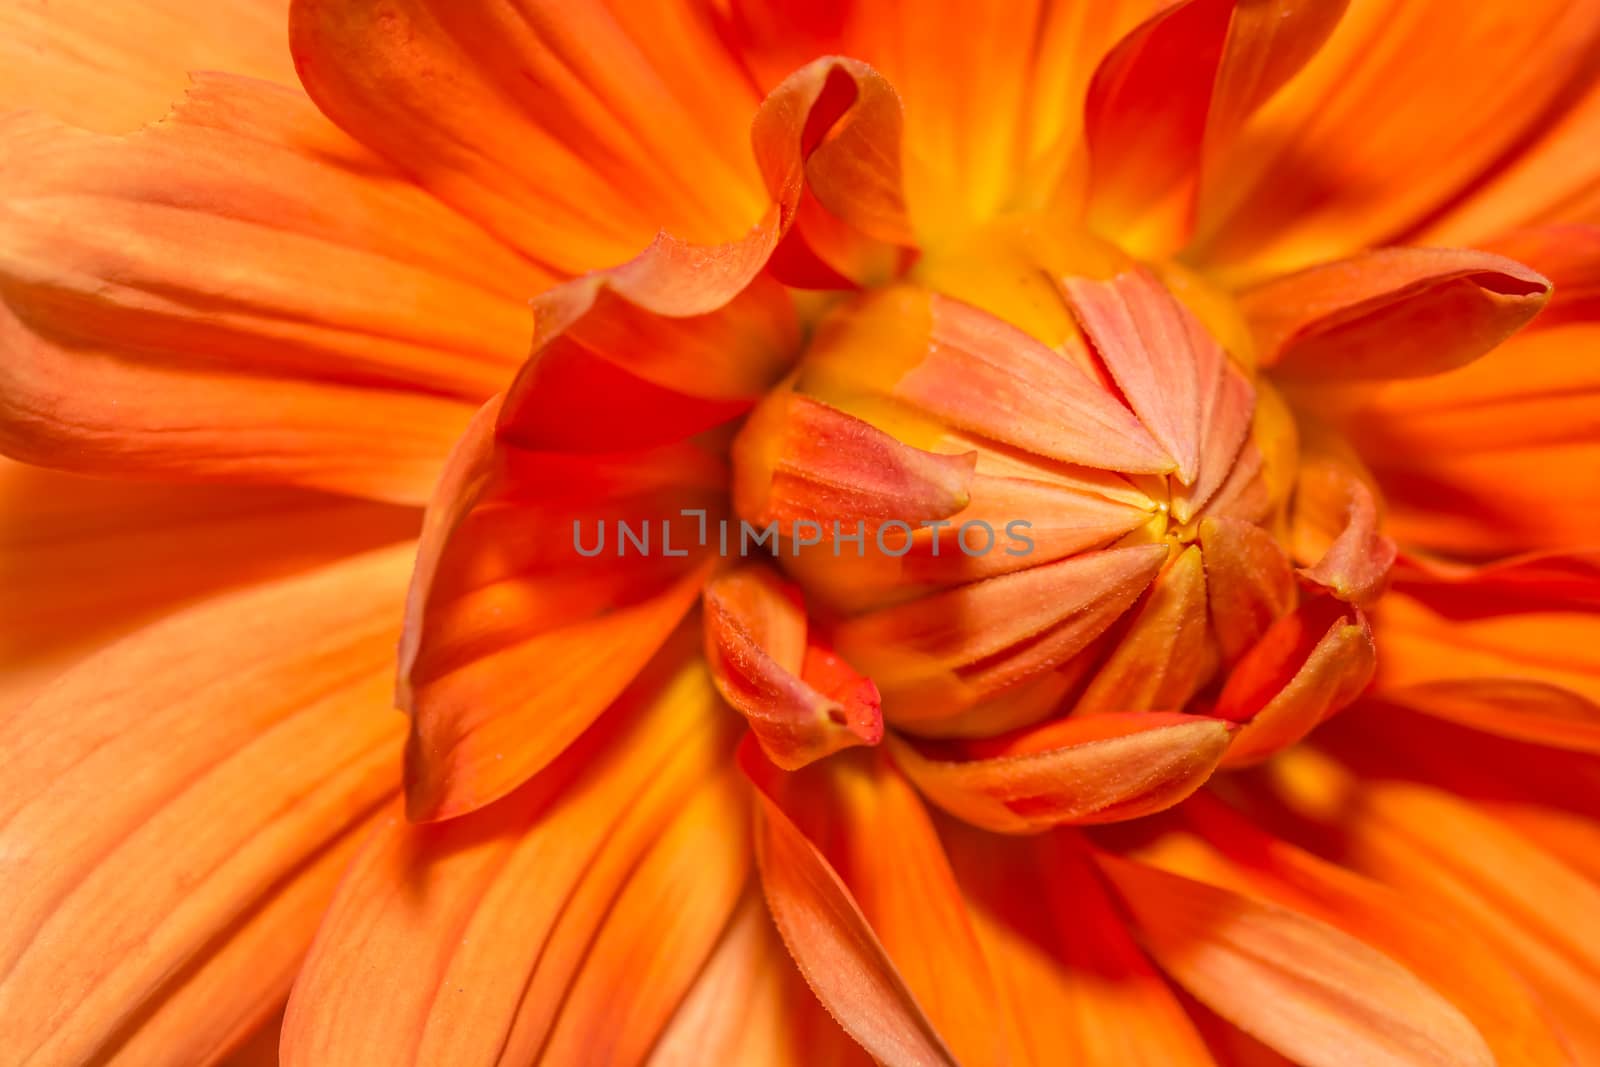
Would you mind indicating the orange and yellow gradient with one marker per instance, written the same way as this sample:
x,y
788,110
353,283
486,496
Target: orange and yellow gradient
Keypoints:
x,y
1275,320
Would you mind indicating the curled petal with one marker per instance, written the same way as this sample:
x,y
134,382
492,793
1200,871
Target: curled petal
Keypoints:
x,y
506,585
854,170
1391,313
756,643
1569,255
801,459
608,373
1356,565
1309,665
1096,769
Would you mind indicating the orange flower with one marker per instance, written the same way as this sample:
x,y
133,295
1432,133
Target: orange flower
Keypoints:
x,y
1029,533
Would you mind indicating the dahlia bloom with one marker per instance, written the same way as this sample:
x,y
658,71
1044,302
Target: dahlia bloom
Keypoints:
x,y
1012,533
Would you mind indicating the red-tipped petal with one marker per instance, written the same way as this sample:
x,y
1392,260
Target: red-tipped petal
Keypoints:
x,y
1355,567
756,642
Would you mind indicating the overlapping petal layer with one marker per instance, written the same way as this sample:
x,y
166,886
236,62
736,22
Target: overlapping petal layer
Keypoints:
x,y
254,730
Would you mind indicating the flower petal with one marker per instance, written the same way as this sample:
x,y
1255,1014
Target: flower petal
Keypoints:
x,y
565,130
907,349
1560,578
608,374
86,561
1569,256
1249,582
522,905
756,643
1464,866
870,825
134,352
1160,659
1101,768
1509,707
1469,463
1453,959
1330,164
1548,181
1391,313
1309,665
750,1005
937,655
1172,95
116,69
1447,635
971,150
1076,986
1355,565
143,830
506,586
834,945
1306,989
658,930
1147,341
799,459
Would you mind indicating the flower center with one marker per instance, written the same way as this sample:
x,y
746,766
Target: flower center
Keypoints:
x,y
1012,491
